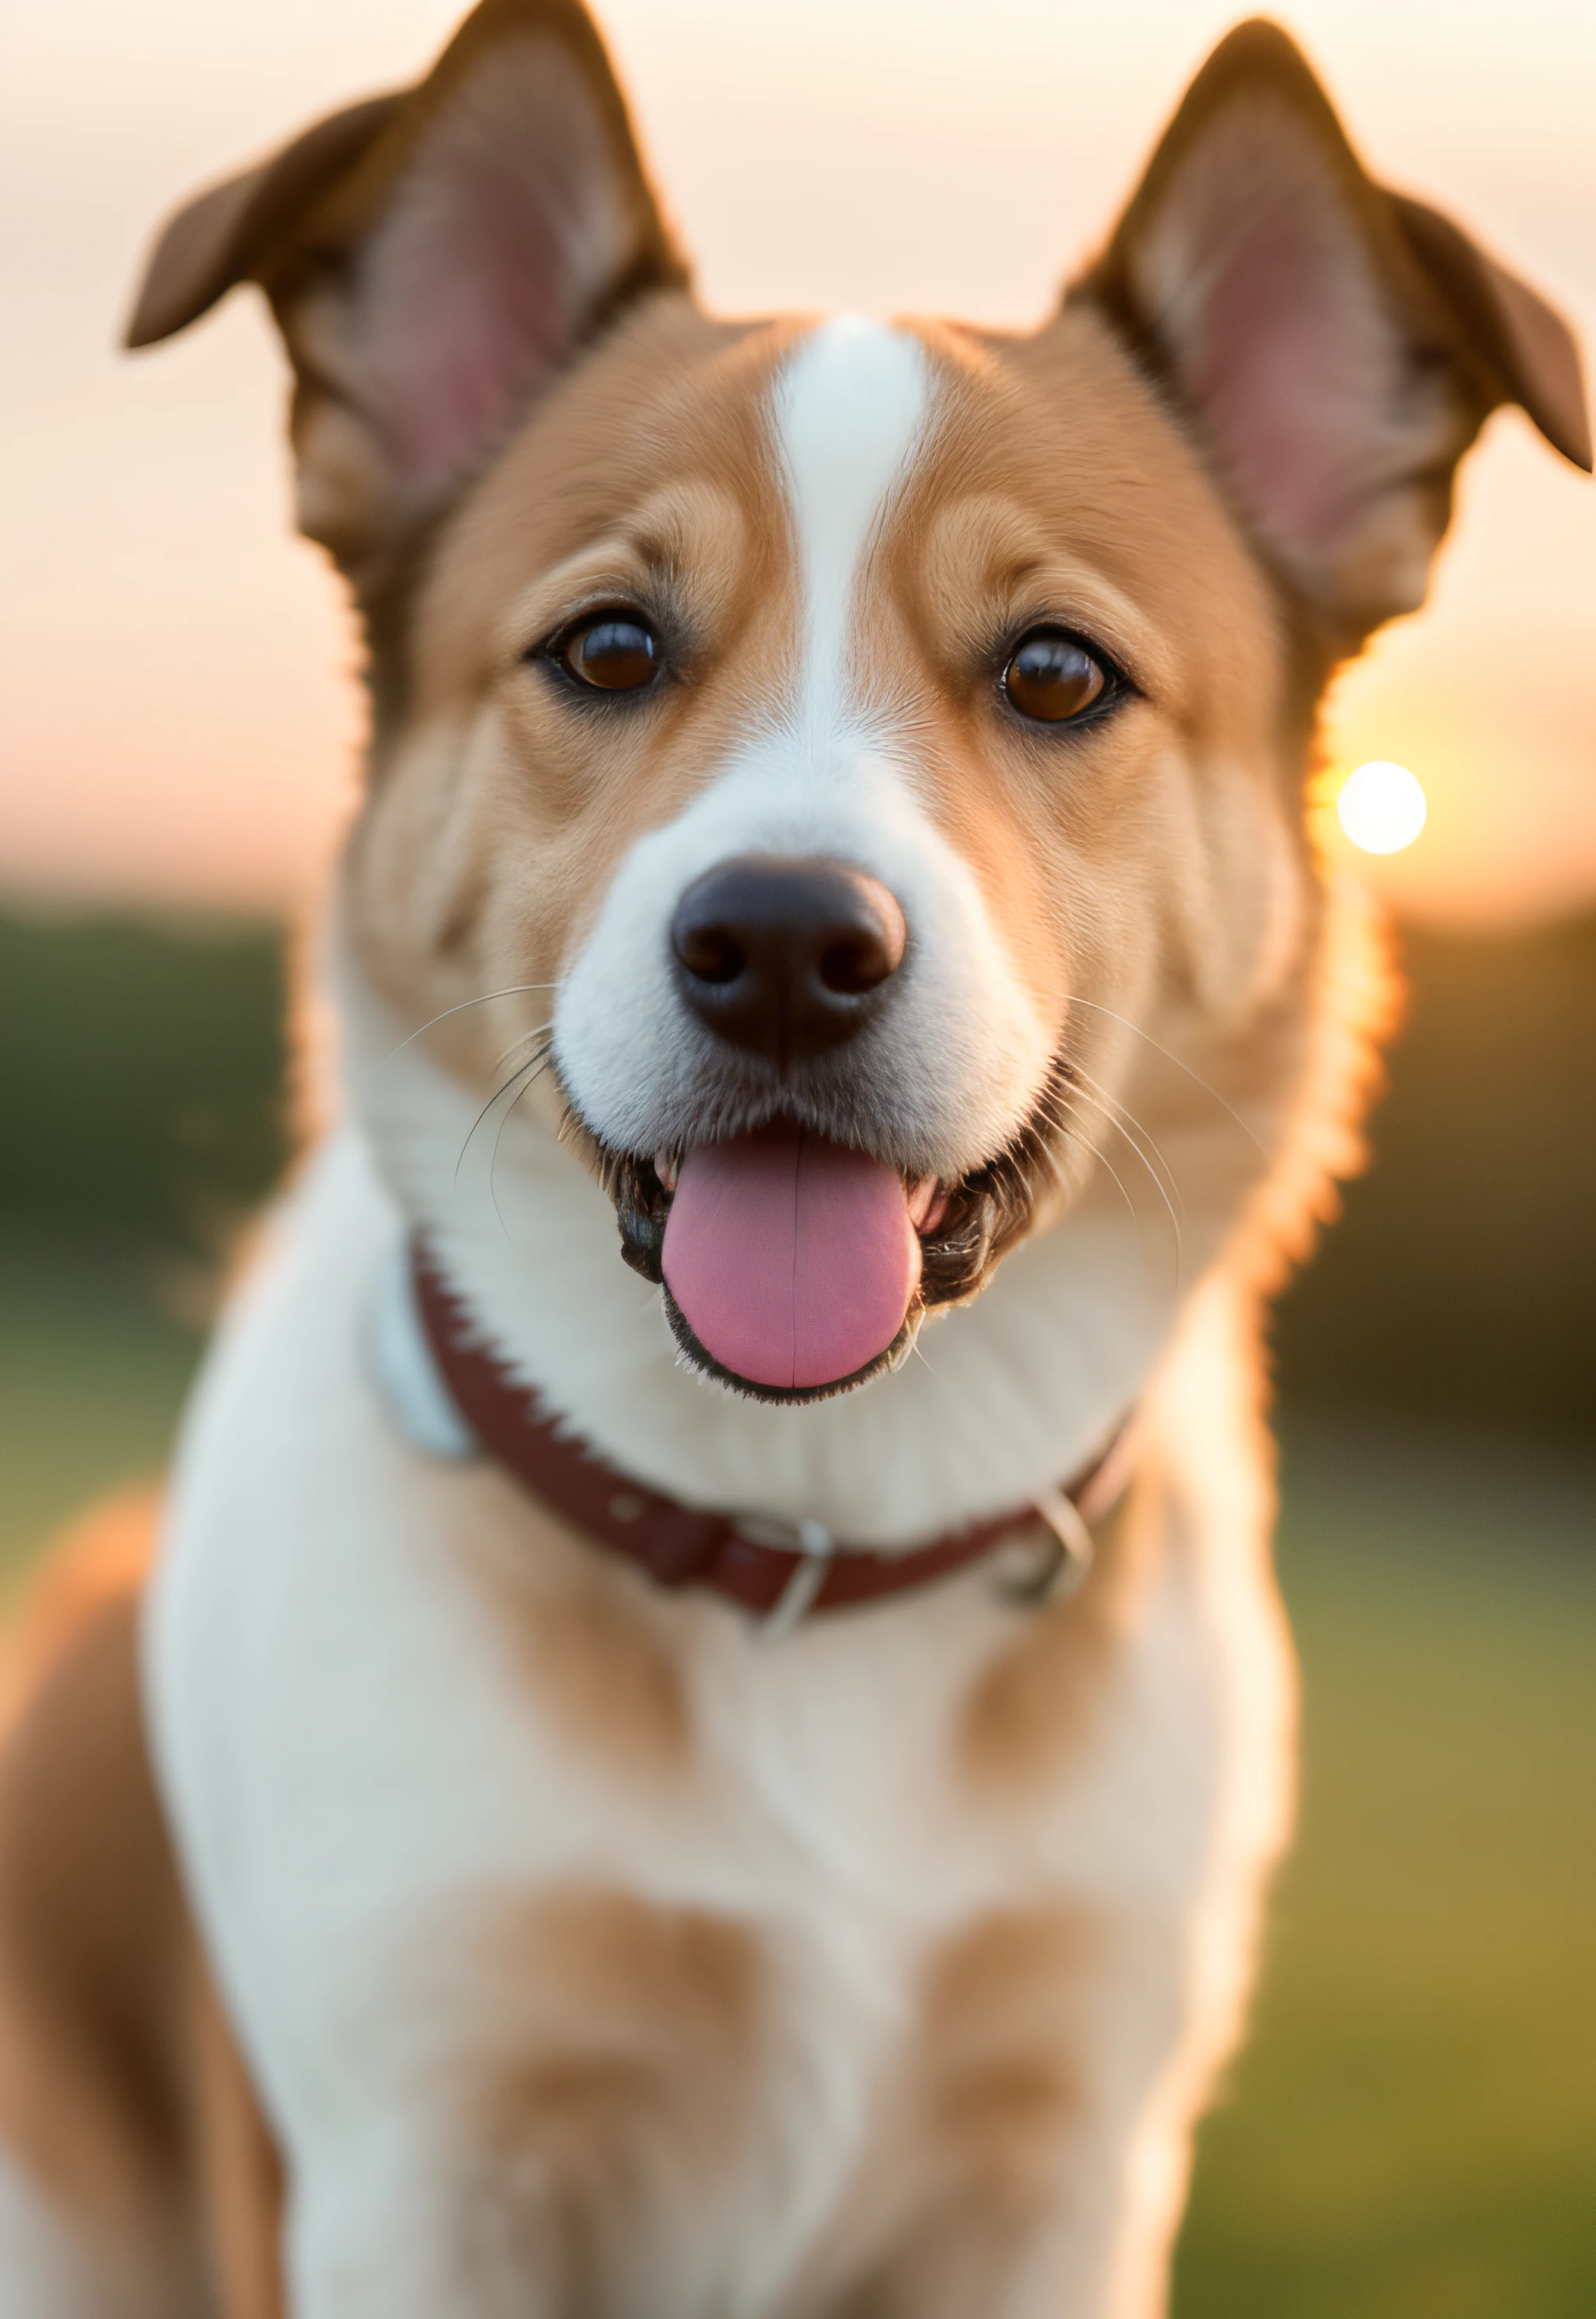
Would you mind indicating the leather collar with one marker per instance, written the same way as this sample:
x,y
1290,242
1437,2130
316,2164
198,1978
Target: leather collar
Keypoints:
x,y
781,1571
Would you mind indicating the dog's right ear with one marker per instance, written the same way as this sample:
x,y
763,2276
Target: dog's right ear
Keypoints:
x,y
1333,346
433,259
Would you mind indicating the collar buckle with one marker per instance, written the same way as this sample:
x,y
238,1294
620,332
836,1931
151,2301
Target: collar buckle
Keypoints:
x,y
815,1546
1067,1558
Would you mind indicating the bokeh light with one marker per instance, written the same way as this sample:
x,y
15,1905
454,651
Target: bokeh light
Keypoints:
x,y
1381,806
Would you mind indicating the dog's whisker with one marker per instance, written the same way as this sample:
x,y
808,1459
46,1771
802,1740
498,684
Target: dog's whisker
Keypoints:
x,y
1118,1123
1176,1235
526,1072
1116,1117
1196,1078
537,1031
483,999
1058,1105
1061,1126
1128,1124
534,1072
1054,1108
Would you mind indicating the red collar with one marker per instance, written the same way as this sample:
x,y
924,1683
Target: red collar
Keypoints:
x,y
781,1570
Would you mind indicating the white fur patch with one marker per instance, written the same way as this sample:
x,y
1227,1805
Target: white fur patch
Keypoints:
x,y
850,408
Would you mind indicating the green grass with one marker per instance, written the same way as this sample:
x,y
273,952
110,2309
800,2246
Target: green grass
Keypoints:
x,y
1411,2133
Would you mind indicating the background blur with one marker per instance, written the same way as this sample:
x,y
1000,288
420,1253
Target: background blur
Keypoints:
x,y
1412,2130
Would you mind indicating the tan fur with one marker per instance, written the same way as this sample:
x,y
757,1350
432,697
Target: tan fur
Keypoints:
x,y
1033,1710
239,2188
997,2089
619,2045
586,1647
90,1916
120,2087
996,2111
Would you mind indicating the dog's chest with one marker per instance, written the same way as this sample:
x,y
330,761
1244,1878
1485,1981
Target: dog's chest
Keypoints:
x,y
434,1848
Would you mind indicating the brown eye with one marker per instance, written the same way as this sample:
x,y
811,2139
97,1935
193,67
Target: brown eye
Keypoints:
x,y
613,652
1051,677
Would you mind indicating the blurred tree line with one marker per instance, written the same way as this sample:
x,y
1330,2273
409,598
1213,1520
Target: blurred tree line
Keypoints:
x,y
1461,1282
141,1094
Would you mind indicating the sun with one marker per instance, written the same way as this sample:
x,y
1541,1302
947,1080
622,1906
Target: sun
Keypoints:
x,y
1381,806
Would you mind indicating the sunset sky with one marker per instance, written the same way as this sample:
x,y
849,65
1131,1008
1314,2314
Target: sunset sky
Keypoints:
x,y
177,721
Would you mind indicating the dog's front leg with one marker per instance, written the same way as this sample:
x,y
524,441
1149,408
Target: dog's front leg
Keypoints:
x,y
1040,2153
570,2228
400,2229
564,2138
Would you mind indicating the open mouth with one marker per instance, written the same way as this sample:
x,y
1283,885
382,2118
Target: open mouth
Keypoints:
x,y
795,1267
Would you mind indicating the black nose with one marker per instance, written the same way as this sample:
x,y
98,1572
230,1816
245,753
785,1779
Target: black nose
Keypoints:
x,y
785,957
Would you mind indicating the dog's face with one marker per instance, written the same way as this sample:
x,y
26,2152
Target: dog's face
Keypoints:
x,y
796,706
879,743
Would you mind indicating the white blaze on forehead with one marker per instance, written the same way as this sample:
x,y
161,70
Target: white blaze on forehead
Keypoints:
x,y
849,405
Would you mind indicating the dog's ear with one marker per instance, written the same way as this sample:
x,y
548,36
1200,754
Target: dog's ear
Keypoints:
x,y
1335,345
433,258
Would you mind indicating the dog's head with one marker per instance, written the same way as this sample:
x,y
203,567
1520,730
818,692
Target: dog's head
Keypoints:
x,y
886,743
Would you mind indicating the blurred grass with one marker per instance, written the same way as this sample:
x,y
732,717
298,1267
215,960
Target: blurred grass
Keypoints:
x,y
1411,2133
93,1372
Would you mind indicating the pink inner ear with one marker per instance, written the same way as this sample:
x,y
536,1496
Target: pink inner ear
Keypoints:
x,y
1283,345
502,239
484,313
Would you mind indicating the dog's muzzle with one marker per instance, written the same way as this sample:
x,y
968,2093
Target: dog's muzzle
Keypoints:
x,y
794,1265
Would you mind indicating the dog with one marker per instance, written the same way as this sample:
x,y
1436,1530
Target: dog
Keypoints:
x,y
710,1721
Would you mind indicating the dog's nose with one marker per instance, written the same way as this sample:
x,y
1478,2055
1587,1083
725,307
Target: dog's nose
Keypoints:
x,y
785,957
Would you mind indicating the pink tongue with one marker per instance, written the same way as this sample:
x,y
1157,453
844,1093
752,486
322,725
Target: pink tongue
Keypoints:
x,y
793,1260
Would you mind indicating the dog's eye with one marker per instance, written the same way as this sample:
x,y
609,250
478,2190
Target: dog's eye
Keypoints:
x,y
1051,677
612,652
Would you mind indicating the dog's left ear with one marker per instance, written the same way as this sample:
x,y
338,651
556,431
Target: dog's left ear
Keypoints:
x,y
433,259
1336,347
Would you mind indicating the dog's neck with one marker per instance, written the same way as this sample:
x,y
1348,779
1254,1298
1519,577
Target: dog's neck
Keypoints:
x,y
999,1401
